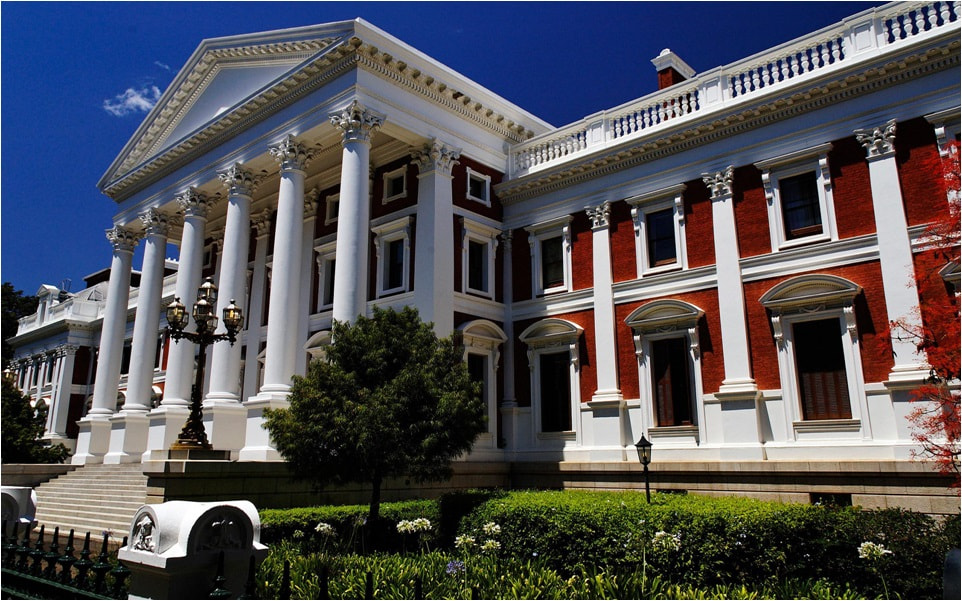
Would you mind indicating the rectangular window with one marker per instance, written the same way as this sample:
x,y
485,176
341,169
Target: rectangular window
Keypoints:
x,y
672,382
332,209
555,394
552,262
477,266
820,363
395,185
125,358
329,265
660,232
479,186
394,267
478,370
801,212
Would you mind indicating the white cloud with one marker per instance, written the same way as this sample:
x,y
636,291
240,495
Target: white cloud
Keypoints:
x,y
133,101
162,65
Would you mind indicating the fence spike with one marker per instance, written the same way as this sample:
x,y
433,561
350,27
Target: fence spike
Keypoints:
x,y
285,592
369,585
10,546
219,591
24,549
83,564
120,574
67,560
102,567
52,554
418,588
325,582
250,587
37,554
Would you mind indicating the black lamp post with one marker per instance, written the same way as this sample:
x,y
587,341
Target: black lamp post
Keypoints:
x,y
193,436
643,446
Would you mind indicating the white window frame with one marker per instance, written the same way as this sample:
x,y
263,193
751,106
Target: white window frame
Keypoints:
x,y
471,173
391,175
814,159
652,202
333,200
547,230
472,231
660,320
399,229
548,336
316,345
484,338
326,253
810,298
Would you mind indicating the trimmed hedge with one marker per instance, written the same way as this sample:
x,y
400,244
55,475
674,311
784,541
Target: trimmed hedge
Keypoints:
x,y
723,541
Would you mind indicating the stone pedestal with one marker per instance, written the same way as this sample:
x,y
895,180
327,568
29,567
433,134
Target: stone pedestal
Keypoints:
x,y
128,437
93,441
19,504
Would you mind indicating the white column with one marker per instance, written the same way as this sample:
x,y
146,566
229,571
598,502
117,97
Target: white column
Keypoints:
x,y
252,338
434,251
232,284
738,395
143,351
57,430
94,437
895,250
180,360
509,405
357,125
307,271
286,270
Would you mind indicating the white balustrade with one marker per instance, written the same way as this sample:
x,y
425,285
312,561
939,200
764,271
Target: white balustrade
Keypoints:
x,y
882,29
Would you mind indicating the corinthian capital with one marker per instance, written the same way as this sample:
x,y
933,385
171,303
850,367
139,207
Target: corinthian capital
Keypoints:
x,y
719,183
194,204
436,156
357,124
599,215
878,141
291,155
239,181
122,239
155,222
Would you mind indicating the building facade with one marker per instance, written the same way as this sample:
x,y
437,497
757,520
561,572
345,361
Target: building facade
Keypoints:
x,y
712,265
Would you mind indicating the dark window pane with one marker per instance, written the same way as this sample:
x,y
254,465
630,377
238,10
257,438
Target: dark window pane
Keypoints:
x,y
395,186
555,395
329,282
660,231
477,369
394,269
822,381
552,263
477,188
477,266
672,382
800,209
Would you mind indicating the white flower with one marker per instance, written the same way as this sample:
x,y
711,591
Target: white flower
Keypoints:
x,y
463,540
872,551
491,529
490,545
668,542
421,525
405,527
324,529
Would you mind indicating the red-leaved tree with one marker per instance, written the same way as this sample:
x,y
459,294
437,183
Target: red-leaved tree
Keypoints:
x,y
934,328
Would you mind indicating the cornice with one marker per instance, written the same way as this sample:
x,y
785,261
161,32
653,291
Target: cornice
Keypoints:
x,y
719,126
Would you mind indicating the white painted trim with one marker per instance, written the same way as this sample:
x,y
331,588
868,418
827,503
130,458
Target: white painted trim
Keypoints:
x,y
548,336
537,234
399,229
472,174
472,231
390,176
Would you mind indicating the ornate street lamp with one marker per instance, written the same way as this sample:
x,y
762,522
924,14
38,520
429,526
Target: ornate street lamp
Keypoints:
x,y
643,446
10,377
193,436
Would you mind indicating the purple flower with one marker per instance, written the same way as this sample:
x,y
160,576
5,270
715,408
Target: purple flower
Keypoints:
x,y
454,568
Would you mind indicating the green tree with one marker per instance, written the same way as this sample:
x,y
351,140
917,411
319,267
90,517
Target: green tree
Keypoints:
x,y
14,306
22,428
392,400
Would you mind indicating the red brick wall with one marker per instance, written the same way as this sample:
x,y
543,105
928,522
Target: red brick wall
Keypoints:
x,y
622,233
582,273
378,208
751,212
851,189
699,236
920,171
460,182
319,228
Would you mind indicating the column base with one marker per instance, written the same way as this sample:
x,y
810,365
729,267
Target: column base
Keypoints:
x,y
257,443
907,377
224,422
164,425
128,437
738,389
93,441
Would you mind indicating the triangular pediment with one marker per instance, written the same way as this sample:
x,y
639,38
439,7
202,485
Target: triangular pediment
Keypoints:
x,y
222,77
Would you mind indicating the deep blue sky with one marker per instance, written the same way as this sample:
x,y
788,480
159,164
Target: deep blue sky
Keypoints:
x,y
61,62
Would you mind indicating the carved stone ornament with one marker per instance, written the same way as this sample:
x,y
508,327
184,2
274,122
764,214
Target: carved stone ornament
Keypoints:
x,y
239,181
879,141
144,534
720,183
436,156
310,202
357,124
155,222
122,239
194,204
223,532
599,215
506,239
292,155
262,222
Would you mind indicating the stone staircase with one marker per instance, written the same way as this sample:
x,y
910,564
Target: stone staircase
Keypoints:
x,y
93,498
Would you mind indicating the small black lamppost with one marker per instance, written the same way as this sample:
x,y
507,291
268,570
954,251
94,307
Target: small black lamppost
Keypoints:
x,y
193,436
643,446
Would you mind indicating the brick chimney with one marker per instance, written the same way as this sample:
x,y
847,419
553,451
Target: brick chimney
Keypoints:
x,y
671,69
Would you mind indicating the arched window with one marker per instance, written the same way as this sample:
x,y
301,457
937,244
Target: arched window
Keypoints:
x,y
482,341
553,360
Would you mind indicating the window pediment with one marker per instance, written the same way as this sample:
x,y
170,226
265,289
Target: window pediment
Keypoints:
x,y
810,291
551,332
663,315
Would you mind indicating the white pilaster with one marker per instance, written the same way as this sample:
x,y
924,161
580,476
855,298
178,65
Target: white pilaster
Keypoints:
x,y
357,126
307,270
57,429
895,250
93,440
252,338
738,394
509,405
434,250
